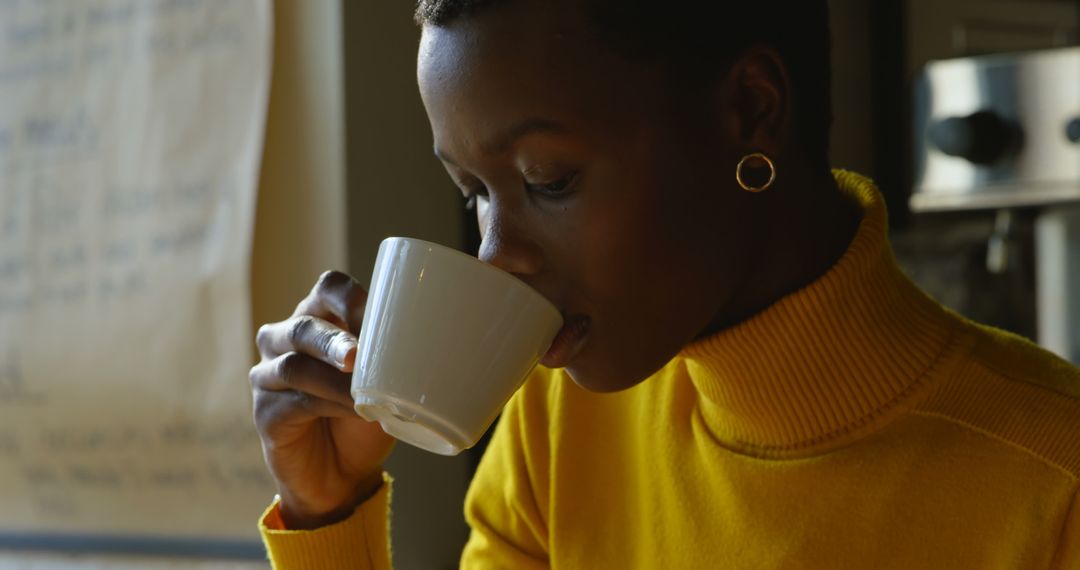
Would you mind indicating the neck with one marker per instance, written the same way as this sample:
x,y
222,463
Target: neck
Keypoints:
x,y
805,226
832,361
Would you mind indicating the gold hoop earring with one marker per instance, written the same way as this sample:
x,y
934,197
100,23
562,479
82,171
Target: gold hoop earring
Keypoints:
x,y
742,164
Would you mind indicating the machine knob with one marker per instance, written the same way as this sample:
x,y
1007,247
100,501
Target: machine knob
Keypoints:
x,y
982,138
1072,130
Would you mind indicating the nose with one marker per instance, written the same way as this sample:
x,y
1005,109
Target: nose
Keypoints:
x,y
506,245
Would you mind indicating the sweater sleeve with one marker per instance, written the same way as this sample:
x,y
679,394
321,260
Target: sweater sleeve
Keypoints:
x,y
358,542
506,505
1068,554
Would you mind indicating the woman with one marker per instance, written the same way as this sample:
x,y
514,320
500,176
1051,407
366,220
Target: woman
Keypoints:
x,y
752,382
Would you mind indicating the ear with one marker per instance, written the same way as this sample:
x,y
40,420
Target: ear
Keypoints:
x,y
757,94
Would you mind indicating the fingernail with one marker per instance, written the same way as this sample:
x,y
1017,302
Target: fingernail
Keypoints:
x,y
342,347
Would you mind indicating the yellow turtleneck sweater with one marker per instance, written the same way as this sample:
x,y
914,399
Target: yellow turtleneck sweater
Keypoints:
x,y
853,424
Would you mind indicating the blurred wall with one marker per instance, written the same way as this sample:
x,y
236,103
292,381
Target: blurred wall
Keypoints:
x,y
397,187
853,142
300,219
958,28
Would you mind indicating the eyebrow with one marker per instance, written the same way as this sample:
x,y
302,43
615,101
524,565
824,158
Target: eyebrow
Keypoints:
x,y
506,138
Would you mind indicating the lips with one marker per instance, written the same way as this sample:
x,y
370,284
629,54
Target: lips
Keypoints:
x,y
568,342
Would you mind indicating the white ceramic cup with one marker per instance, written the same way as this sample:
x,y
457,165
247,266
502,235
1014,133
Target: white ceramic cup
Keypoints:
x,y
446,340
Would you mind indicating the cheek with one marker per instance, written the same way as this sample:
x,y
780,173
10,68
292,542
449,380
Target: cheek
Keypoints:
x,y
633,245
661,257
648,293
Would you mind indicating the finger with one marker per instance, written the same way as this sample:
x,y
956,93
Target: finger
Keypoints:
x,y
295,371
308,335
337,298
274,409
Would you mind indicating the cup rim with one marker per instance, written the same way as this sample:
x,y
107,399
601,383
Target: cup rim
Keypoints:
x,y
487,267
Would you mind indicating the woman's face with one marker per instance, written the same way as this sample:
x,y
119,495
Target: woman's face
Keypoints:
x,y
596,182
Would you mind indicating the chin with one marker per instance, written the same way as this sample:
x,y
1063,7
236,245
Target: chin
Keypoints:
x,y
590,377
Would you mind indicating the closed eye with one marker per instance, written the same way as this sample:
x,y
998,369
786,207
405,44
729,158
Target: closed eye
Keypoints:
x,y
555,188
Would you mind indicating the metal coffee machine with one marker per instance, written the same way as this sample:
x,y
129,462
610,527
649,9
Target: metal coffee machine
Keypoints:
x,y
1001,133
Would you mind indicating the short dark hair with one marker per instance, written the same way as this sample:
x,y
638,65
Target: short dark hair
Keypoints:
x,y
688,33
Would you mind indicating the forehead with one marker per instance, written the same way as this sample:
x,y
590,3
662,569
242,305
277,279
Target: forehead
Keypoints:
x,y
517,39
525,59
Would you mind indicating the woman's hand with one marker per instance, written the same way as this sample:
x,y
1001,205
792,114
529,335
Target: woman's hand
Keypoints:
x,y
325,459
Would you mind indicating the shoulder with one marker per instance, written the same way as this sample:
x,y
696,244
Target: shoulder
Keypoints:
x,y
1021,360
1010,389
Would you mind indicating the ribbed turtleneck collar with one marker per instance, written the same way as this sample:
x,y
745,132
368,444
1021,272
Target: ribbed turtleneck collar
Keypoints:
x,y
829,359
